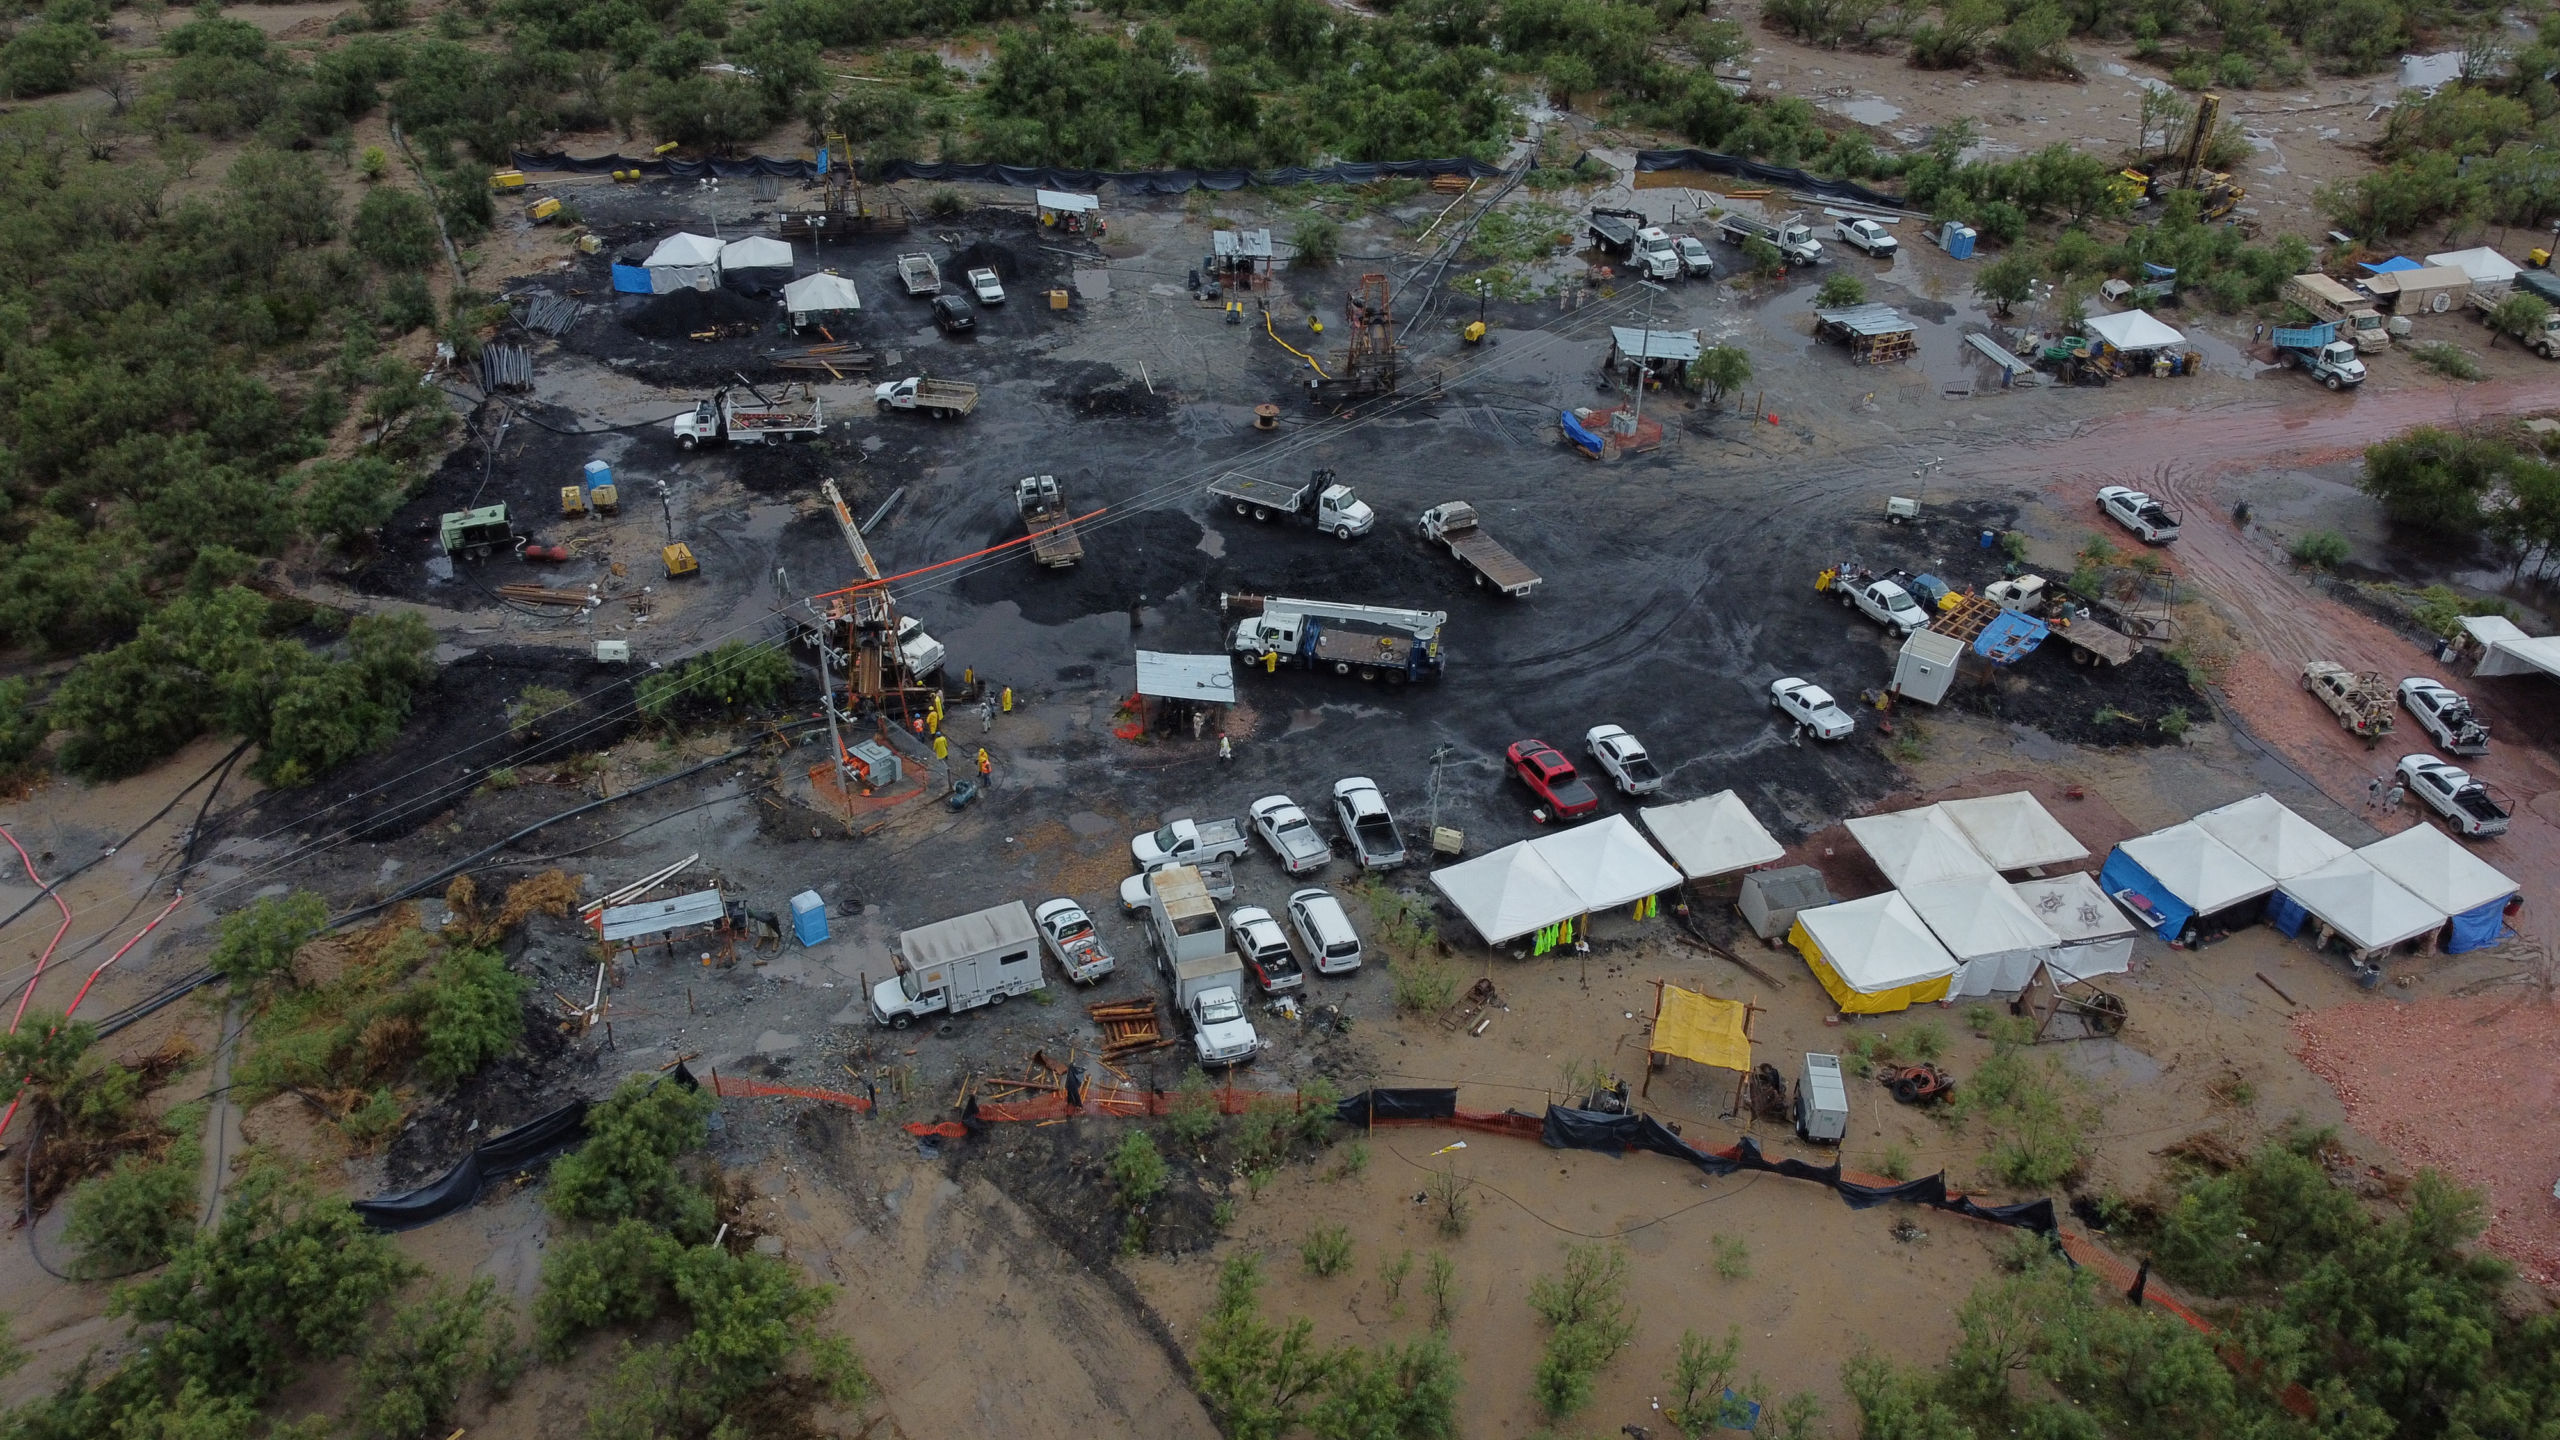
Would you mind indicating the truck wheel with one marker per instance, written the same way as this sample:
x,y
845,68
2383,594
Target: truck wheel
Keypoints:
x,y
2333,382
686,442
998,1000
1341,667
1342,532
1369,675
1261,512
901,1022
1243,509
1479,580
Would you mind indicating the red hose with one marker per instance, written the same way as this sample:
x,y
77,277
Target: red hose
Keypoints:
x,y
12,1112
46,958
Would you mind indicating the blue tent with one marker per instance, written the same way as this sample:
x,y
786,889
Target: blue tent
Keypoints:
x,y
2160,910
2392,266
2478,929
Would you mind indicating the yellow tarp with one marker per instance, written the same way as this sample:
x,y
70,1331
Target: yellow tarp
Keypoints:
x,y
1702,1028
1859,1002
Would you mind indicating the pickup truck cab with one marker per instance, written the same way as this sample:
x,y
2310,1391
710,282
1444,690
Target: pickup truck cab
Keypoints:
x,y
1067,933
1325,929
1551,777
1812,707
2449,790
1360,808
1694,257
2445,716
1290,834
1884,602
2139,513
919,652
1868,236
952,314
1188,842
1622,756
987,286
1264,947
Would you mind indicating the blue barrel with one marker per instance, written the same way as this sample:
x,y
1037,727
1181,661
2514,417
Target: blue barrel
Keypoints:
x,y
597,473
809,918
1990,538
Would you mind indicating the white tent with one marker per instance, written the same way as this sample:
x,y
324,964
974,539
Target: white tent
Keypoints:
x,y
1065,202
2436,868
1716,835
1997,941
2362,903
1508,893
811,296
2132,330
2507,650
2265,832
756,252
1920,847
1607,863
2096,938
684,249
1873,955
2200,871
2014,831
2484,265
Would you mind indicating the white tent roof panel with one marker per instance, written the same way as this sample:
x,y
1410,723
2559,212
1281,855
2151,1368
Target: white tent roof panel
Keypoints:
x,y
2073,907
2267,833
2438,869
2362,903
1607,863
2484,265
1877,943
2510,651
811,294
659,917
1508,893
1209,679
2014,831
1066,201
1979,917
755,252
2132,330
1920,847
684,248
1716,835
2200,870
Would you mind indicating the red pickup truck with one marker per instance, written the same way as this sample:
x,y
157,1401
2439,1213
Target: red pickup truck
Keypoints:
x,y
1551,778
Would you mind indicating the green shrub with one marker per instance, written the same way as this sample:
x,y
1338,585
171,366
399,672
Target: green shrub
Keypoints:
x,y
617,1276
1841,290
1585,1305
474,1013
1193,1114
1732,1256
2449,360
138,1213
1315,242
259,943
2040,1122
1137,1170
1326,1251
2320,549
410,1377
1700,1371
626,1168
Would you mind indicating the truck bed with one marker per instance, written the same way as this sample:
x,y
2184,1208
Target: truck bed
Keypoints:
x,y
1493,560
1052,544
1254,490
1337,645
771,419
2098,641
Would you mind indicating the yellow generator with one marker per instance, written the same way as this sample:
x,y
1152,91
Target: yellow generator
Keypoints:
x,y
605,498
544,210
680,561
507,180
573,501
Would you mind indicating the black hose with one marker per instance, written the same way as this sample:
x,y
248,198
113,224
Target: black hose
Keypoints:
x,y
48,887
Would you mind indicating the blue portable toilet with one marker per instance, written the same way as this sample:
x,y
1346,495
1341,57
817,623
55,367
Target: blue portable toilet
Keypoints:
x,y
809,918
1956,239
597,473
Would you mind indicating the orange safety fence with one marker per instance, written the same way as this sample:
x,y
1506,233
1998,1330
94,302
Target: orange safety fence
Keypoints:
x,y
723,1085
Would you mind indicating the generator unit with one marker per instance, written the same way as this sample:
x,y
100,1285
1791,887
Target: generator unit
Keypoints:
x,y
473,534
1822,1101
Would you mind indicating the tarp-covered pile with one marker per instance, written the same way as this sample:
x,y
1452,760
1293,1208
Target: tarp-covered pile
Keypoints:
x,y
1873,955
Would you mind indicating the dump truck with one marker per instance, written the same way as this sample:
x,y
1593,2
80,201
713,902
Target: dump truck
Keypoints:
x,y
1371,641
1615,230
475,534
2545,341
1455,524
2360,699
798,415
1332,507
1210,995
2328,299
920,274
1792,236
1044,514
941,399
959,964
2317,350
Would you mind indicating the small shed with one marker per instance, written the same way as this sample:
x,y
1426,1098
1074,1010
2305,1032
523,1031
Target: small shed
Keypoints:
x,y
1926,666
2096,938
1714,835
816,299
1875,334
1660,353
1771,898
1173,689
1241,252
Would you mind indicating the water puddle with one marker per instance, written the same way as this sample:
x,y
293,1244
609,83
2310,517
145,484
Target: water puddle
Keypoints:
x,y
1866,110
1213,544
2145,81
1303,720
1085,822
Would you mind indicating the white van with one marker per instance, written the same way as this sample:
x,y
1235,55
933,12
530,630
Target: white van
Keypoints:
x,y
1325,930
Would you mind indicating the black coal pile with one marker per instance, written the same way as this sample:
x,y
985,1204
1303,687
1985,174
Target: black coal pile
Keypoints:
x,y
2128,704
988,255
681,313
1117,400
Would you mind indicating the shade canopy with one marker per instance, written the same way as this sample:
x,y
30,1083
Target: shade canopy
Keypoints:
x,y
2438,869
819,294
683,249
1508,893
1636,343
2132,330
1715,835
658,917
2196,868
1066,202
756,252
1874,954
2361,903
2265,832
2014,831
2095,936
2506,650
1607,863
1995,938
1920,847
2484,265
1207,679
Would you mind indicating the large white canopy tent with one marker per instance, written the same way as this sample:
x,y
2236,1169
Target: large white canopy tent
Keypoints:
x,y
2180,873
2096,938
1713,835
755,252
2507,650
2267,833
1920,847
1607,863
1873,955
684,248
2362,903
812,297
1509,893
1997,941
2441,871
2014,831
2131,330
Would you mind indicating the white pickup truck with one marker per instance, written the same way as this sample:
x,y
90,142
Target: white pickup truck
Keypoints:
x,y
1291,835
1259,941
1867,235
1189,842
1067,933
1882,601
2139,513
2450,791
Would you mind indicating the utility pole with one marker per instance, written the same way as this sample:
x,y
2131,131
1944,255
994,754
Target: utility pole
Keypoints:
x,y
1644,366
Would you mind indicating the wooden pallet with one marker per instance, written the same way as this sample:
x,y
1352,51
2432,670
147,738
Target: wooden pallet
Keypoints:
x,y
1128,1027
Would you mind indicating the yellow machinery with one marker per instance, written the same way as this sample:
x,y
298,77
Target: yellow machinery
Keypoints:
x,y
680,561
665,150
625,177
544,210
507,180
605,498
1474,333
2217,194
573,501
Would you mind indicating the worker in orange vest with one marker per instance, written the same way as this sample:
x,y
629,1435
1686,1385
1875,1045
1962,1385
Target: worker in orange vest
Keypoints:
x,y
986,766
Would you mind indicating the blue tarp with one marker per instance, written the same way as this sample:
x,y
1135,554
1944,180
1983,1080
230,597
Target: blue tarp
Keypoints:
x,y
632,280
2286,915
2120,873
1575,431
2010,636
2478,929
2392,266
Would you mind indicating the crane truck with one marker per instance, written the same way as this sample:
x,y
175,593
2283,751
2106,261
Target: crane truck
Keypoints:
x,y
1372,641
798,415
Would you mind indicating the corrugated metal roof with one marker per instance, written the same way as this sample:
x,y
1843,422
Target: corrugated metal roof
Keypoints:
x,y
658,917
1866,319
1210,679
1638,344
1066,200
1249,244
981,933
